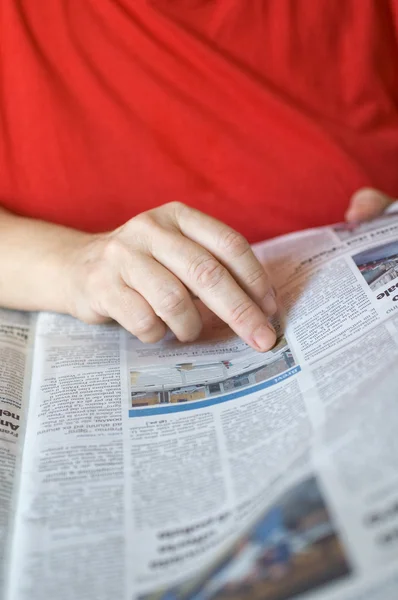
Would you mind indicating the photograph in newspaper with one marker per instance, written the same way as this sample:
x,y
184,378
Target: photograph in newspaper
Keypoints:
x,y
187,382
378,265
292,549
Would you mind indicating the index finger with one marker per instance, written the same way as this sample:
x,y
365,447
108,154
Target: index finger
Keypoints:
x,y
233,251
208,279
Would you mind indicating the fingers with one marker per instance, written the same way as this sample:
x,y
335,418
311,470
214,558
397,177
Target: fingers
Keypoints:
x,y
133,312
143,274
168,297
233,251
367,204
211,281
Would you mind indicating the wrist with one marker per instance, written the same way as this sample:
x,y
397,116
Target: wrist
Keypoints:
x,y
69,261
35,263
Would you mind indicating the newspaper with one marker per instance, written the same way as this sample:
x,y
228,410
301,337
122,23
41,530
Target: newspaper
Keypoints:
x,y
208,471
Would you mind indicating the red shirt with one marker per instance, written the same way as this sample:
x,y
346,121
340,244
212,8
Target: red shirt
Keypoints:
x,y
267,114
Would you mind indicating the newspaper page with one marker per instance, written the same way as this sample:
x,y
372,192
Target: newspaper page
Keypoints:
x,y
211,471
15,339
69,532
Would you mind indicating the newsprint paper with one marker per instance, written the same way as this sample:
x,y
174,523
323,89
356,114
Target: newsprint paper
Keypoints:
x,y
208,471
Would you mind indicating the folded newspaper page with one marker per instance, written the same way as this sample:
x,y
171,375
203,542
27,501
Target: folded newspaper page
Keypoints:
x,y
208,471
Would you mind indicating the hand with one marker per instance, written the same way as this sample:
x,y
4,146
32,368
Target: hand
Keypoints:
x,y
144,274
367,204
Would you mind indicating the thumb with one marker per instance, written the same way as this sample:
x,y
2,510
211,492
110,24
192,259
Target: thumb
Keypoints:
x,y
367,204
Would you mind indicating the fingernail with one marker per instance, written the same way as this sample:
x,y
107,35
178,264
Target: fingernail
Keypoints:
x,y
264,337
268,304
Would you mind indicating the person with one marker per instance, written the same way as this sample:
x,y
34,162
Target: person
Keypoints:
x,y
145,143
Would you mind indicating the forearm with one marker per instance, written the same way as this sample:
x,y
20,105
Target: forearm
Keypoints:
x,y
34,260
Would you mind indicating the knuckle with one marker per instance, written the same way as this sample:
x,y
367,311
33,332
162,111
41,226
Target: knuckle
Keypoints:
x,y
145,219
173,303
176,205
256,278
234,243
175,211
113,248
143,230
177,208
207,272
242,312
